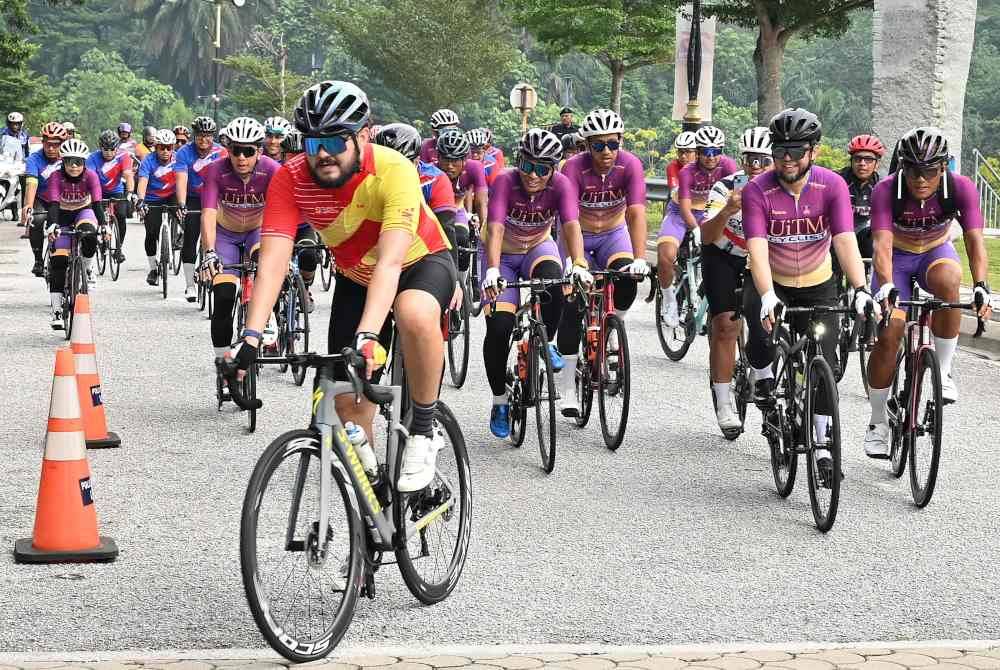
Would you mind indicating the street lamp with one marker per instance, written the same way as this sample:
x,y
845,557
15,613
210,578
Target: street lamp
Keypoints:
x,y
692,118
217,43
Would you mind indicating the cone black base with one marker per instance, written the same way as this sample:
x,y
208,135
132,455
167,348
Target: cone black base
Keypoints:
x,y
111,441
105,552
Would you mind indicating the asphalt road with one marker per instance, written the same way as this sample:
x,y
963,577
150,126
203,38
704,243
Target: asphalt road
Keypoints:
x,y
676,538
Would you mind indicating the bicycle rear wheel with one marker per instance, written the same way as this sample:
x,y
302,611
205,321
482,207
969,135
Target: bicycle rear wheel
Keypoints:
x,y
458,344
298,328
614,384
326,271
284,577
518,413
895,412
436,533
824,486
102,254
925,436
116,246
544,395
675,341
165,253
584,384
740,387
777,427
844,333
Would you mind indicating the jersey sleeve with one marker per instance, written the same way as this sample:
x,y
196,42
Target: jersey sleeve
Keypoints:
x,y
684,179
401,198
126,161
442,195
145,169
838,206
93,185
31,167
970,216
53,189
754,210
501,161
499,200
281,215
181,160
881,214
477,175
635,183
210,188
569,200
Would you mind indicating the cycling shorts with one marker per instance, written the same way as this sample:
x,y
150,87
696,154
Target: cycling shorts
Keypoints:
x,y
906,265
722,274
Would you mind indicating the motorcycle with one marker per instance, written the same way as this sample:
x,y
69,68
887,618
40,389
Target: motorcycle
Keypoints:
x,y
10,186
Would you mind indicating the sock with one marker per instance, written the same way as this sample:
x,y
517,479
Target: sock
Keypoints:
x,y
500,399
820,424
88,265
423,418
945,348
220,351
152,262
721,391
55,301
878,399
189,274
763,373
568,375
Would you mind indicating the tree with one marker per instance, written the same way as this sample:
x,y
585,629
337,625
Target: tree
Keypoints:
x,y
623,35
777,21
19,87
260,88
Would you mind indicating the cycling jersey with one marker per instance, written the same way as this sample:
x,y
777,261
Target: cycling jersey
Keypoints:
x,y
238,200
39,168
73,194
493,164
428,150
798,231
923,225
186,159
472,177
604,198
383,195
162,181
528,219
436,187
693,182
11,148
111,173
673,173
732,241
861,196
141,151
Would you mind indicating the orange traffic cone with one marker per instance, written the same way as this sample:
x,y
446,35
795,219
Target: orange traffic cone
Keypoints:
x,y
65,518
88,380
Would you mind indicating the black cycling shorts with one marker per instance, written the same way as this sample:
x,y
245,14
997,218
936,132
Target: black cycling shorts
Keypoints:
x,y
721,275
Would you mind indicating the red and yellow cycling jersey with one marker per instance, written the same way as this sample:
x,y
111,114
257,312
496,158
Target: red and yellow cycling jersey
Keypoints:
x,y
384,195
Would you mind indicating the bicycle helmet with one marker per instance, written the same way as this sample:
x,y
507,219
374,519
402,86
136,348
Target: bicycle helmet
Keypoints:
x,y
245,130
15,117
602,122
332,108
292,143
540,145
685,140
444,118
795,126
756,140
148,131
74,148
69,126
125,128
709,137
108,140
399,136
923,146
452,144
477,137
54,131
182,130
277,125
489,135
866,143
570,140
165,136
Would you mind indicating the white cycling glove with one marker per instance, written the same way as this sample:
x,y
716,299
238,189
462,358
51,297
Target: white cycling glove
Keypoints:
x,y
491,279
862,298
639,267
768,303
581,275
982,291
211,265
883,292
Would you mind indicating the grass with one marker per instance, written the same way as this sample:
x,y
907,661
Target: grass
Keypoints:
x,y
992,252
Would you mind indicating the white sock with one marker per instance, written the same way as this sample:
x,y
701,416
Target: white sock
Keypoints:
x,y
500,399
189,274
763,373
820,424
88,264
878,398
721,391
220,351
945,348
152,262
568,374
55,301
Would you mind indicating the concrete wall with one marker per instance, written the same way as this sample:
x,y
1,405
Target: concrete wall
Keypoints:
x,y
922,50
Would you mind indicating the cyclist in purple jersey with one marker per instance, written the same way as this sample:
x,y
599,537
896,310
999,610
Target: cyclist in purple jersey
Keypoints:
x,y
517,244
114,169
468,184
39,167
791,215
156,190
441,120
610,187
232,202
913,212
687,208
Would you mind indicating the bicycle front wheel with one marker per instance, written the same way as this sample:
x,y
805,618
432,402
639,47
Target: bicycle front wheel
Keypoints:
x,y
925,433
302,589
777,425
544,395
676,340
298,329
116,246
824,481
583,383
326,271
102,254
895,411
614,384
165,253
176,243
458,344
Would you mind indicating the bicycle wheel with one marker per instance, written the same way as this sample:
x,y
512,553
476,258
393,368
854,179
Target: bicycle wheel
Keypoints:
x,y
69,298
777,426
437,537
458,344
288,585
165,253
925,436
896,415
584,385
518,413
176,243
613,386
102,254
281,319
116,245
326,271
298,328
740,387
864,349
844,333
824,486
677,340
544,395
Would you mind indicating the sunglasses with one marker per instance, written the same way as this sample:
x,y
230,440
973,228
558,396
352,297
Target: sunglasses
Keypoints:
x,y
164,147
73,162
757,160
50,144
928,172
181,141
540,169
866,160
792,151
612,145
331,145
710,152
276,133
244,150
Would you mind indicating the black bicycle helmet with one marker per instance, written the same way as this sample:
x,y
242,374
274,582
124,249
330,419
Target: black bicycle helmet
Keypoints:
x,y
402,137
453,144
292,143
332,108
204,124
923,146
108,140
795,126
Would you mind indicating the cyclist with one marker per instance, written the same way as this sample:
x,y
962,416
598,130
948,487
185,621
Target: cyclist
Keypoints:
x,y
468,183
114,170
792,215
145,148
686,150
157,188
232,207
391,254
517,244
441,120
861,176
224,136
687,208
126,141
15,129
610,185
70,129
494,153
478,145
912,215
183,135
724,261
277,129
73,194
39,167
190,164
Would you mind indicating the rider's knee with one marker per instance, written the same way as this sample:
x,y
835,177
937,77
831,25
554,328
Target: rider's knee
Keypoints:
x,y
724,328
944,280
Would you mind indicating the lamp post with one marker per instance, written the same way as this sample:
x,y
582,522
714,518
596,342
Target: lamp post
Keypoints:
x,y
217,43
523,98
692,118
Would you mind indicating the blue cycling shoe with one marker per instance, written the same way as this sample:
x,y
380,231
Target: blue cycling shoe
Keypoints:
x,y
556,358
500,421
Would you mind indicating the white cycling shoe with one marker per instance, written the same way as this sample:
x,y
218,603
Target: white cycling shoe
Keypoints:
x,y
877,440
729,422
419,461
668,309
949,392
191,294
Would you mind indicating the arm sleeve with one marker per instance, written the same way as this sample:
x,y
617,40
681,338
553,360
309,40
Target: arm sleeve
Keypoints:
x,y
281,214
52,213
754,210
447,221
497,209
98,208
210,188
684,179
841,213
401,198
970,216
635,183
882,206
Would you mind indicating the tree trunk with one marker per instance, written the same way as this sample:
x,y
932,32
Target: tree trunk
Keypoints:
x,y
768,59
617,77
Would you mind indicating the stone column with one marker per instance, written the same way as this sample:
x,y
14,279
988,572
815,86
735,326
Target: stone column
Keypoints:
x,y
922,50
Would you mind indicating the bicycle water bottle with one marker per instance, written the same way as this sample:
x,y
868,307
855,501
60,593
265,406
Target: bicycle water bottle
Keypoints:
x,y
356,434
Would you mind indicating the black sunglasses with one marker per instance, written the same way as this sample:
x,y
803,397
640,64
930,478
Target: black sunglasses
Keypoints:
x,y
928,172
244,150
793,151
599,146
540,169
73,162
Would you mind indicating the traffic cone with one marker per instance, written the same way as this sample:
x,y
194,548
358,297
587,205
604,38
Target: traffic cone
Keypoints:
x,y
88,380
65,518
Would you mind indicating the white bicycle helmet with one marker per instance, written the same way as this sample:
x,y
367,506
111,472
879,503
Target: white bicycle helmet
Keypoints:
x,y
756,140
74,148
15,117
540,145
477,137
444,118
165,136
684,140
245,130
709,136
277,124
602,122
69,126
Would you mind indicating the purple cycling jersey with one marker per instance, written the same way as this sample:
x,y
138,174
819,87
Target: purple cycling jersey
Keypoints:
x,y
472,177
239,200
528,219
923,226
604,198
73,194
695,183
799,231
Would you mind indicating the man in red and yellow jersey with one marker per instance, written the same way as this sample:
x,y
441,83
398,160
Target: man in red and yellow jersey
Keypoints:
x,y
365,203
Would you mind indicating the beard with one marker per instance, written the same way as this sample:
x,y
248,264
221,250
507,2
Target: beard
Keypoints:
x,y
344,177
798,175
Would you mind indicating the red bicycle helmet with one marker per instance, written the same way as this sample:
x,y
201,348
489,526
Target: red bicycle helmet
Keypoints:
x,y
54,131
866,143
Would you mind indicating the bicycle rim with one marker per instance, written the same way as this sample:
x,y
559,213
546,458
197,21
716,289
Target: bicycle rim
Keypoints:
x,y
116,248
740,387
614,383
250,393
544,395
102,258
925,440
299,330
824,487
287,588
584,384
676,341
458,346
518,414
784,458
164,258
325,271
896,415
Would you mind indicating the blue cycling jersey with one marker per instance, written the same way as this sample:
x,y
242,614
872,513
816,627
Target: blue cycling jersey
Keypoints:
x,y
162,180
186,159
39,167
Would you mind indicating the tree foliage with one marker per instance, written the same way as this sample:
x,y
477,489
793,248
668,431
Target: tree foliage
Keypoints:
x,y
19,88
256,86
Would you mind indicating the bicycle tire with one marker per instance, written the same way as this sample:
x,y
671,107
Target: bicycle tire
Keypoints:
x,y
281,320
614,382
305,444
740,387
895,414
299,331
819,374
69,297
410,506
844,332
544,395
325,271
781,442
102,256
114,265
863,362
176,243
930,424
584,382
165,253
675,349
518,413
458,353
199,282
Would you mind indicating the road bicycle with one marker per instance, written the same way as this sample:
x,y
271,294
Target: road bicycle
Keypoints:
x,y
316,526
292,313
75,282
165,250
692,306
247,387
459,323
741,384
